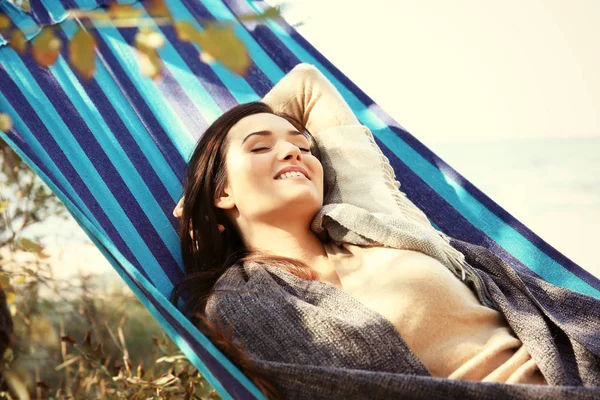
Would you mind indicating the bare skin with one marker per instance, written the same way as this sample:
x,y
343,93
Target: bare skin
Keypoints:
x,y
274,215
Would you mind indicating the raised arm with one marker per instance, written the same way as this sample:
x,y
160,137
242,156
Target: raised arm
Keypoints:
x,y
308,95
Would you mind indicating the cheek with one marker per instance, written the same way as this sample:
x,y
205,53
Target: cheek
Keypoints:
x,y
247,173
317,169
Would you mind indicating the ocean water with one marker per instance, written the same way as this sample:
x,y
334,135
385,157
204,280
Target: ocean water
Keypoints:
x,y
552,185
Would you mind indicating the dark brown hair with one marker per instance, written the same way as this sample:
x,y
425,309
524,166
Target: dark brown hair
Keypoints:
x,y
208,253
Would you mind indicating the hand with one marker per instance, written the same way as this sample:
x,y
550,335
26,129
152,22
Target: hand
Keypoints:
x,y
178,210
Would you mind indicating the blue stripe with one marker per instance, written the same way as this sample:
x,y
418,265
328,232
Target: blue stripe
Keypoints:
x,y
97,120
116,111
61,133
20,19
141,110
162,111
185,335
152,300
72,181
128,116
264,72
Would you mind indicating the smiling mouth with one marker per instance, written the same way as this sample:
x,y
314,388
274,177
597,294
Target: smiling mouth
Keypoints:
x,y
295,177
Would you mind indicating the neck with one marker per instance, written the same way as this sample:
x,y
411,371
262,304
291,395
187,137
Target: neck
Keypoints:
x,y
289,238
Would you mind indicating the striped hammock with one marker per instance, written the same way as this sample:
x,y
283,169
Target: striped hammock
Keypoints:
x,y
114,150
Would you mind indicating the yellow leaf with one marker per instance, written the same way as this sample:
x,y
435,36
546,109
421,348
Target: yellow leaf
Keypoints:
x,y
157,8
10,296
13,310
8,355
220,42
123,11
23,5
81,53
19,280
3,206
5,22
74,12
30,245
150,63
16,384
5,122
269,13
185,31
207,58
148,38
4,281
46,47
18,41
41,331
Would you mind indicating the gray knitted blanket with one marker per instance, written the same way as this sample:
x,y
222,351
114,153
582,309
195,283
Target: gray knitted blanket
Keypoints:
x,y
317,342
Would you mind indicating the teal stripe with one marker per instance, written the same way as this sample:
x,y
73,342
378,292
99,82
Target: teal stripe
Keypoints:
x,y
28,137
187,80
21,20
113,150
237,85
55,9
62,135
101,241
475,212
187,325
160,107
129,117
259,56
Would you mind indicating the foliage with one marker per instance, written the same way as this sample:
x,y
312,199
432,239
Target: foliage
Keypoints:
x,y
99,343
218,41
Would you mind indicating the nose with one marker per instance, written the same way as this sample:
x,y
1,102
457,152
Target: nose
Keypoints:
x,y
291,151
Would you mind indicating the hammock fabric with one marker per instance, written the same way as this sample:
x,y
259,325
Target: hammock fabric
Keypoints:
x,y
114,150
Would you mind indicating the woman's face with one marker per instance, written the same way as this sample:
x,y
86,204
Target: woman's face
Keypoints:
x,y
253,162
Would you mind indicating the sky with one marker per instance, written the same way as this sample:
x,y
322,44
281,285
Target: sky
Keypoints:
x,y
464,70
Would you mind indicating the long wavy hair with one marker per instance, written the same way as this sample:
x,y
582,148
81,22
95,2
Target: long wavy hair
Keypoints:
x,y
207,252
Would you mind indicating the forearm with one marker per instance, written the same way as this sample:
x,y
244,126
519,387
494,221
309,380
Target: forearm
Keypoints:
x,y
308,95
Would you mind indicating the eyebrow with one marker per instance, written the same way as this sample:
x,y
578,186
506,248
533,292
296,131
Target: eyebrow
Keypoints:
x,y
268,133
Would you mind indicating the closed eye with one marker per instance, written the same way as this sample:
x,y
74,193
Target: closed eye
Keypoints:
x,y
266,148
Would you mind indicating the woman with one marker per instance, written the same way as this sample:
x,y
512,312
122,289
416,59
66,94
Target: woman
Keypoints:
x,y
254,184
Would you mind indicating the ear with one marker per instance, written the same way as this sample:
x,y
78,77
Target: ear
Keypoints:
x,y
225,201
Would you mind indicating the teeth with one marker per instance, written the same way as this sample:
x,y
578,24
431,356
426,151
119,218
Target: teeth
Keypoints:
x,y
289,174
